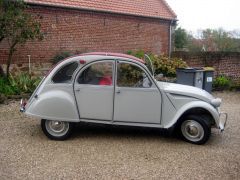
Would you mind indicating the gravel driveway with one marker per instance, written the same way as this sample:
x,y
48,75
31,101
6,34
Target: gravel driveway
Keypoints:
x,y
101,152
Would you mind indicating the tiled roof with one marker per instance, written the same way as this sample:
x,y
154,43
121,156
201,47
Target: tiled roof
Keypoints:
x,y
147,8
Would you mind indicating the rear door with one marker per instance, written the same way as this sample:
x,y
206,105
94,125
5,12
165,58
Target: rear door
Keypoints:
x,y
94,91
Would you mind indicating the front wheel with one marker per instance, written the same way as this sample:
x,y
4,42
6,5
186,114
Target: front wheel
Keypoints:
x,y
195,129
56,130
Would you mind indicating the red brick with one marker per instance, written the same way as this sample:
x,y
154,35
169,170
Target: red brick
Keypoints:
x,y
83,31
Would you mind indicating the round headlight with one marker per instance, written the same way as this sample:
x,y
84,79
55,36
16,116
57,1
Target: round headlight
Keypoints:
x,y
216,102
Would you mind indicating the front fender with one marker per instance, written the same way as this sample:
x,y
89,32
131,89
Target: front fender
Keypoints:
x,y
195,104
54,105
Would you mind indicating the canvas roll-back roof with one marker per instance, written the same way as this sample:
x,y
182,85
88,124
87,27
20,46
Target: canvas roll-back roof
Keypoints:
x,y
113,54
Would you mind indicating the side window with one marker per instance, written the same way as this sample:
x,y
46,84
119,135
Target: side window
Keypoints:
x,y
97,74
64,75
132,76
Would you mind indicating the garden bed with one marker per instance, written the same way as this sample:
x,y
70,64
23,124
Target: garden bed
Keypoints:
x,y
5,99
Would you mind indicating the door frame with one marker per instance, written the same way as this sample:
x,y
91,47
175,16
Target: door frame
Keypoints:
x,y
78,73
115,62
151,78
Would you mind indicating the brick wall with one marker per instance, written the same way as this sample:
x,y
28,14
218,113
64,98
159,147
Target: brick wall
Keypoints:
x,y
224,63
35,69
82,31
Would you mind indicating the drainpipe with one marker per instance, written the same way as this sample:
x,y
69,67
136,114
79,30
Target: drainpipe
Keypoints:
x,y
170,38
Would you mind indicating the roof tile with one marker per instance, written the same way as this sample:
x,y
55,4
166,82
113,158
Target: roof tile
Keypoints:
x,y
148,8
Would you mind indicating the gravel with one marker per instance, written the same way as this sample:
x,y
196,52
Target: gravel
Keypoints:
x,y
103,152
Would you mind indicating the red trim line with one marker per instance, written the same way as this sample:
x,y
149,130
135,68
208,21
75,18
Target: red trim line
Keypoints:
x,y
114,54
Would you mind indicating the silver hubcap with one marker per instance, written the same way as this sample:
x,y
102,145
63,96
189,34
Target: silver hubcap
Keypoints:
x,y
192,130
57,128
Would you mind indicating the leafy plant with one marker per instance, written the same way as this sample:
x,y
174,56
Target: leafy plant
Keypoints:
x,y
167,67
60,56
128,75
162,64
181,38
17,26
6,88
15,85
24,82
222,83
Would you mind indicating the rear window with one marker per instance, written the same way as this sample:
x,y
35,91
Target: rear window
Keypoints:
x,y
64,75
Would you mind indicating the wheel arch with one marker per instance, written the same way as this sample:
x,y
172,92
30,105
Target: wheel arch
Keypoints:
x,y
200,108
200,111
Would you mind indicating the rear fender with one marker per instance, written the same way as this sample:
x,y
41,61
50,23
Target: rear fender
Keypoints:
x,y
54,105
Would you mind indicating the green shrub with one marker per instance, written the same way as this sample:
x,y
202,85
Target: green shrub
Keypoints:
x,y
162,64
21,83
60,56
6,88
24,82
167,67
222,82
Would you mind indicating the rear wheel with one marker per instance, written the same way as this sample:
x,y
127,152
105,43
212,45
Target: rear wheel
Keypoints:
x,y
56,130
195,129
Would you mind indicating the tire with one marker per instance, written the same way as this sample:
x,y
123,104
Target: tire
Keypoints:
x,y
195,129
57,130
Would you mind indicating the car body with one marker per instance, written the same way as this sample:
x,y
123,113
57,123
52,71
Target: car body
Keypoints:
x,y
119,89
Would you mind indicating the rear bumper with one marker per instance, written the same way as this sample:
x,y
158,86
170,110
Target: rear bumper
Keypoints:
x,y
22,105
222,121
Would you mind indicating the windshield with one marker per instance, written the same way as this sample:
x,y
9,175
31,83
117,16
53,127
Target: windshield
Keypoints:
x,y
149,64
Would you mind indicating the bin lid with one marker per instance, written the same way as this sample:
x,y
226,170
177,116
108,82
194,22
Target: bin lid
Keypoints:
x,y
208,69
189,69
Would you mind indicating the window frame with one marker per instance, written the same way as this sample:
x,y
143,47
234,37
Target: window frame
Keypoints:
x,y
90,64
134,64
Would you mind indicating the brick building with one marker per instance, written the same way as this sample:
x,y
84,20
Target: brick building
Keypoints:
x,y
97,25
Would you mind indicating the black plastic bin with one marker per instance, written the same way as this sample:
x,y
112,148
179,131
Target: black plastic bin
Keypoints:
x,y
190,76
208,80
197,77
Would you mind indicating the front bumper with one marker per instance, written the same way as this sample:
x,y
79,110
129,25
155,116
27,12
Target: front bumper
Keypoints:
x,y
222,120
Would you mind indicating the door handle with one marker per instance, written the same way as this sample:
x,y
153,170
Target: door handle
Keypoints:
x,y
118,91
77,89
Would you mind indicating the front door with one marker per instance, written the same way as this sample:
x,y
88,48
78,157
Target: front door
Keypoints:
x,y
94,90
137,99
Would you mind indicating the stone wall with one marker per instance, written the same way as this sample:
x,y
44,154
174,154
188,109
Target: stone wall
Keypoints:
x,y
224,63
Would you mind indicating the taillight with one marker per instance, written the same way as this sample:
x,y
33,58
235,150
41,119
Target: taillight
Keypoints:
x,y
82,61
